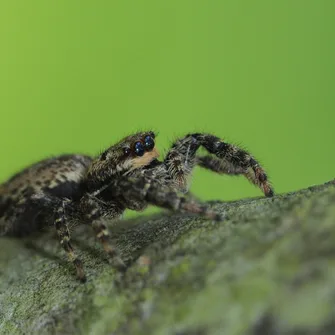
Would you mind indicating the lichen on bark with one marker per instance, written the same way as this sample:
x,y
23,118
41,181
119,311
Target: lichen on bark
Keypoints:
x,y
268,268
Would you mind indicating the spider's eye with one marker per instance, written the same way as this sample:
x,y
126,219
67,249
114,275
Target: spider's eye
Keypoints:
x,y
149,142
139,149
126,151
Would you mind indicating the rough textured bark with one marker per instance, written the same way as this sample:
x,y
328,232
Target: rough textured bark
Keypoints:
x,y
268,269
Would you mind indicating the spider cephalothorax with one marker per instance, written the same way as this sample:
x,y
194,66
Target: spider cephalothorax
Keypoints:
x,y
131,153
77,189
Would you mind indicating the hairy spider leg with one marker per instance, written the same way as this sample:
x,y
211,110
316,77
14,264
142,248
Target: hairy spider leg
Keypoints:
x,y
44,201
64,237
154,193
94,217
230,159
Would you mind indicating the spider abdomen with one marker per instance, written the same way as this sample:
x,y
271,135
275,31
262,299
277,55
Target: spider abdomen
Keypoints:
x,y
60,177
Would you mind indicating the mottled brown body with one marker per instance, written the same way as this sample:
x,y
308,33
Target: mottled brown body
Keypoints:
x,y
59,177
77,189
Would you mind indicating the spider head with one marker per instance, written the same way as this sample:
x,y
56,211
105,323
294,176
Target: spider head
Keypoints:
x,y
132,152
137,151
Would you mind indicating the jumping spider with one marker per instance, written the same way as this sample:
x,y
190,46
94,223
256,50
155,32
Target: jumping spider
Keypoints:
x,y
77,189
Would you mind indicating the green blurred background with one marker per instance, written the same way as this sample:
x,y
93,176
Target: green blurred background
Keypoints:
x,y
75,76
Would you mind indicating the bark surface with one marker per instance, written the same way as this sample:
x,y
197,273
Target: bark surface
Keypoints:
x,y
268,269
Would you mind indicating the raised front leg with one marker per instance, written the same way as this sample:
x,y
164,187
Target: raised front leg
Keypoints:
x,y
229,159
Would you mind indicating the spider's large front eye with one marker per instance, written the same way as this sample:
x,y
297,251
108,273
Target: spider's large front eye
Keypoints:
x,y
149,142
139,149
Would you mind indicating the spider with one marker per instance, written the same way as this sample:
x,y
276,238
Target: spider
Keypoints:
x,y
77,189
